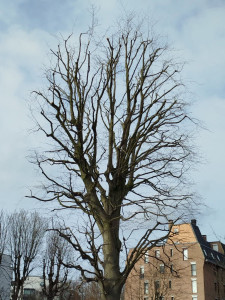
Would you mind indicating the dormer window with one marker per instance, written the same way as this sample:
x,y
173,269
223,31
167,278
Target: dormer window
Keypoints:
x,y
215,247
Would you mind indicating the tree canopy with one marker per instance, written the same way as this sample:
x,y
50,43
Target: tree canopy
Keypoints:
x,y
115,113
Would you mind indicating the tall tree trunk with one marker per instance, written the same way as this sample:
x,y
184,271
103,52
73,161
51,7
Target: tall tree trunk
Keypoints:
x,y
15,295
111,250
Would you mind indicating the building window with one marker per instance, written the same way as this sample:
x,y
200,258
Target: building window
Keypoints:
x,y
171,268
157,253
172,298
157,285
142,272
171,252
185,254
215,247
29,291
194,298
161,298
194,285
161,268
145,298
193,269
170,284
146,257
146,288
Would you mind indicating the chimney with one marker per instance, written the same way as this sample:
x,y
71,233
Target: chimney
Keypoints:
x,y
204,237
193,222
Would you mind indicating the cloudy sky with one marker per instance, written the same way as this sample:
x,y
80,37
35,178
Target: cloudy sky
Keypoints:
x,y
196,29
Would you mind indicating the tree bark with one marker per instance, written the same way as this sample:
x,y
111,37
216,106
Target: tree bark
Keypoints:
x,y
111,251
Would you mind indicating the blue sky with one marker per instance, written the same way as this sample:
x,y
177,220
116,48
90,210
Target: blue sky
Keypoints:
x,y
196,29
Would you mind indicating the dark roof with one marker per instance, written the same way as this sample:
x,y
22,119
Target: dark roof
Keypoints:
x,y
210,255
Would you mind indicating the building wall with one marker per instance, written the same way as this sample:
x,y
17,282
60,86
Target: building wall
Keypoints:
x,y
214,282
32,288
180,277
5,277
33,282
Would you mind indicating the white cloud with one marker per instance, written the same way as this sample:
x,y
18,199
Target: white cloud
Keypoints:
x,y
21,59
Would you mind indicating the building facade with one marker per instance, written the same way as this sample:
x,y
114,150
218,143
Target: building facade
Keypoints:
x,y
32,288
5,276
186,267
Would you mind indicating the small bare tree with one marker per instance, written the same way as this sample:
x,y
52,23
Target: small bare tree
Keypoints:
x,y
26,231
72,293
3,233
115,114
83,291
55,274
5,262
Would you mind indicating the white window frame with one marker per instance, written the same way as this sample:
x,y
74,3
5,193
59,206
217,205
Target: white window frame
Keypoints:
x,y
146,287
194,285
215,247
157,253
192,271
146,259
185,254
162,268
142,272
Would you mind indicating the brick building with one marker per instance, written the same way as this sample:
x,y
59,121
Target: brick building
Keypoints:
x,y
186,266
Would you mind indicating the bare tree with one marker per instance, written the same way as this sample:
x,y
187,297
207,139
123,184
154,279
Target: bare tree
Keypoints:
x,y
5,260
115,114
55,274
3,233
81,290
73,293
26,231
